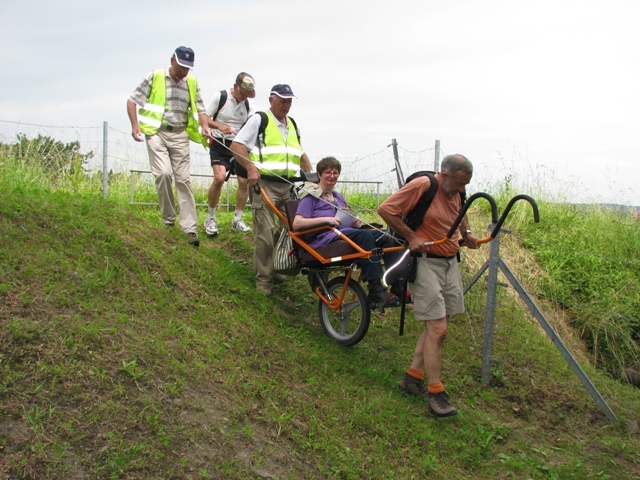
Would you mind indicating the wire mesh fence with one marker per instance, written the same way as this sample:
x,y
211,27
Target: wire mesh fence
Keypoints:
x,y
372,172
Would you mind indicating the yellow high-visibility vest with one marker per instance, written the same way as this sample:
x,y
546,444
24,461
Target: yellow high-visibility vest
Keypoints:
x,y
275,157
151,114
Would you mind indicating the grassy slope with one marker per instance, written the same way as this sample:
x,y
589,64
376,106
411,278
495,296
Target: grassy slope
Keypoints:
x,y
126,354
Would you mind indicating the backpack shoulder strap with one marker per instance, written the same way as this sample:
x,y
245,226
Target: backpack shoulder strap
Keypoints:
x,y
415,217
223,100
295,125
264,119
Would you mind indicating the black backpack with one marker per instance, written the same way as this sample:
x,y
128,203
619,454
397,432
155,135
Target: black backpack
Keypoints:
x,y
415,217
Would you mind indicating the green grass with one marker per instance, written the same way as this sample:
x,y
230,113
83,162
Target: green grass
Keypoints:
x,y
590,257
127,354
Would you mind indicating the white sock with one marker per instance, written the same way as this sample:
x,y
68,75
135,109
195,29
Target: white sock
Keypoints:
x,y
212,212
238,214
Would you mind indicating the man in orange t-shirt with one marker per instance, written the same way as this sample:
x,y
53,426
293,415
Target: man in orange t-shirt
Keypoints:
x,y
437,290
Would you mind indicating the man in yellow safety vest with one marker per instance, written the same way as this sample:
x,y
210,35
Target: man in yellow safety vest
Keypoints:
x,y
272,154
171,109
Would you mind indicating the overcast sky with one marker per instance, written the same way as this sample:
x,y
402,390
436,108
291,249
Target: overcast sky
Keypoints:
x,y
546,86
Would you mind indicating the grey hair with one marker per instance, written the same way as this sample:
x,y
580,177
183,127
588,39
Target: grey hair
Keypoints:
x,y
452,164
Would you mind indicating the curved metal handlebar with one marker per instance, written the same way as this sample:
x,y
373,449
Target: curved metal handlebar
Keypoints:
x,y
534,206
463,212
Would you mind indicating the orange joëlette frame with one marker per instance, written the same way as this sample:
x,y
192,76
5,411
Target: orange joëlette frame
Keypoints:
x,y
297,237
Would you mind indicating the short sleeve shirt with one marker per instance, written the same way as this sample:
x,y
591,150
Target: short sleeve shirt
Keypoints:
x,y
312,207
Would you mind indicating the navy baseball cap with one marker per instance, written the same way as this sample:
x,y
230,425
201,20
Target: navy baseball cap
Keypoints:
x,y
283,91
185,57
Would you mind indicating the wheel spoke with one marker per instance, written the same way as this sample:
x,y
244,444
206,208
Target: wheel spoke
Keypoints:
x,y
348,307
344,323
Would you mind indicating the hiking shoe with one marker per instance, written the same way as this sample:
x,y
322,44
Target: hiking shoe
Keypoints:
x,y
414,386
380,298
211,227
192,238
278,278
239,226
439,405
397,290
265,289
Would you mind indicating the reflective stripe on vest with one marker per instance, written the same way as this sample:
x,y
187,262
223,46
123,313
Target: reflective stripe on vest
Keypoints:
x,y
278,158
150,116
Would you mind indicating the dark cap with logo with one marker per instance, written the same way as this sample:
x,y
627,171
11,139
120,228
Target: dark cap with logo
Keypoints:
x,y
185,57
283,91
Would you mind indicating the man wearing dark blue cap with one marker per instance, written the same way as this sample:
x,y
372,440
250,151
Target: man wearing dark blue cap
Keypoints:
x,y
273,156
171,109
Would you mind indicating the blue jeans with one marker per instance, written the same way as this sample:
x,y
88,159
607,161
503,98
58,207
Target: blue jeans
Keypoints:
x,y
368,240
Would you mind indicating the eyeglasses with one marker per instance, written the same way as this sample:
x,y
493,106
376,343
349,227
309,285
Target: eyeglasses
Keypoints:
x,y
331,174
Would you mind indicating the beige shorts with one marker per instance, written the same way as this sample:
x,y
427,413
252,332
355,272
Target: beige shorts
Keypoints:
x,y
437,291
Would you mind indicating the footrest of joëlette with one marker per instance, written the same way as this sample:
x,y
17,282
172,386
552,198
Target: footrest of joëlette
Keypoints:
x,y
335,249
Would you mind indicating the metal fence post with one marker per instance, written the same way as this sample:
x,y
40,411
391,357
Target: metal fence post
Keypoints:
x,y
105,167
398,169
489,322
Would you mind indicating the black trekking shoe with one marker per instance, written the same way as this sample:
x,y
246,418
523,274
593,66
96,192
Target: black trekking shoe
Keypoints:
x,y
397,290
414,386
439,405
380,298
192,238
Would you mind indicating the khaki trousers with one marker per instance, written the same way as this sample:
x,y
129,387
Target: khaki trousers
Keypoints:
x,y
264,227
169,155
437,291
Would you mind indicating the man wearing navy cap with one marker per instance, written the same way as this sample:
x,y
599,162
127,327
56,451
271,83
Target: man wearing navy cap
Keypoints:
x,y
171,109
273,156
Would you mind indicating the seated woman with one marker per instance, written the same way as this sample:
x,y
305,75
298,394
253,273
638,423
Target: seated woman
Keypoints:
x,y
313,211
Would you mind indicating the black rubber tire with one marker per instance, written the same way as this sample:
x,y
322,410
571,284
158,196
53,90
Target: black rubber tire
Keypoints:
x,y
351,325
